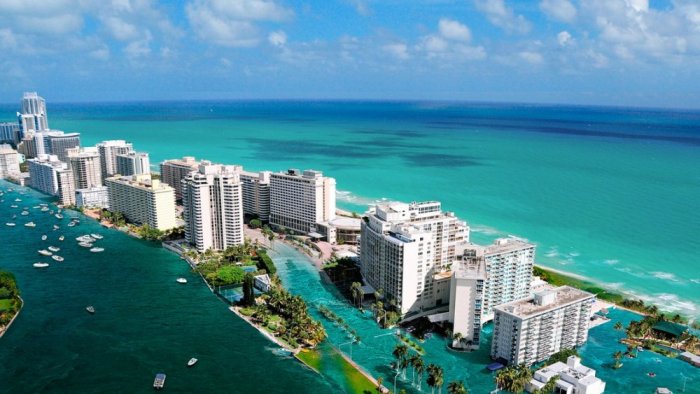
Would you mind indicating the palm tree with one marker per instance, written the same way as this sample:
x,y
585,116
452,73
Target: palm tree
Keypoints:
x,y
413,360
400,352
457,338
419,365
617,356
456,387
618,326
439,378
380,380
355,290
431,377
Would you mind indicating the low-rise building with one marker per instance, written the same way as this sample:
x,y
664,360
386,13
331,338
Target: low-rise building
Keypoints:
x,y
143,200
94,197
9,161
133,163
531,329
263,283
571,378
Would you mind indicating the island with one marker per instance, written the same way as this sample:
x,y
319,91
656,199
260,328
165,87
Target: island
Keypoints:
x,y
10,301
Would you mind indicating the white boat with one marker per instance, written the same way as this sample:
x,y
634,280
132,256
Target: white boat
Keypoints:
x,y
181,280
30,224
71,224
61,238
159,382
96,236
45,252
53,248
97,250
25,213
18,199
58,216
85,238
192,362
90,309
43,237
10,224
44,209
85,244
57,258
56,227
40,265
14,206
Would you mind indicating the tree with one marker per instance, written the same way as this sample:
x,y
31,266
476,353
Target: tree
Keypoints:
x,y
617,356
618,326
248,289
456,387
355,290
380,380
255,223
513,378
419,366
457,338
400,353
435,377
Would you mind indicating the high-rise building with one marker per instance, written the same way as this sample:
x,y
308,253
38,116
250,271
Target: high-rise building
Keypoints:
x,y
9,133
52,176
58,143
133,163
108,155
407,248
213,207
467,301
9,161
509,263
256,194
531,329
302,201
32,116
26,146
174,171
85,164
94,197
143,200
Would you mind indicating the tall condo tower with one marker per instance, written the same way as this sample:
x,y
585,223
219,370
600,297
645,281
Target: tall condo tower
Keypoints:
x,y
108,155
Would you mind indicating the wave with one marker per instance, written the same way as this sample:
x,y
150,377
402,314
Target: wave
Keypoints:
x,y
479,228
665,276
350,197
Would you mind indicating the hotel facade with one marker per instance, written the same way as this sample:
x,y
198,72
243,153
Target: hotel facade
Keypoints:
x,y
143,200
52,176
108,151
172,172
85,164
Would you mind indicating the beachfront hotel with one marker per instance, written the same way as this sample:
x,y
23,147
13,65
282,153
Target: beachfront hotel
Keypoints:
x,y
172,172
531,329
133,163
9,161
213,207
256,194
571,378
51,176
467,300
143,200
406,250
85,164
108,151
303,202
58,143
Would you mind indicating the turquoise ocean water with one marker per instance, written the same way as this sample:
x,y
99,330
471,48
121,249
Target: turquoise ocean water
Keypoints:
x,y
611,194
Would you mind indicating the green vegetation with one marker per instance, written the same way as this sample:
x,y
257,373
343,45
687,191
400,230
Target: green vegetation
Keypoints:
x,y
456,387
255,223
650,332
338,321
558,279
10,302
223,268
116,218
248,289
264,262
561,356
310,357
413,345
513,378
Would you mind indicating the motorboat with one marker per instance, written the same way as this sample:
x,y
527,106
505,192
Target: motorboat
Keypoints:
x,y
14,206
181,280
43,237
45,252
25,213
30,224
97,250
96,236
10,224
159,382
85,244
40,265
44,209
18,199
85,238
90,309
56,227
57,258
71,224
58,216
61,238
53,248
192,362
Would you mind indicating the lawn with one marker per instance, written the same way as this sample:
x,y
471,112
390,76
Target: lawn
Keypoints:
x,y
5,304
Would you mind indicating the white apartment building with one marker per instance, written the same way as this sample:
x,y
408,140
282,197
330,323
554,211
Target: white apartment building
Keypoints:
x,y
52,176
59,143
213,207
86,167
303,202
467,301
9,132
9,161
172,172
509,263
405,248
571,378
532,329
94,197
143,200
32,116
256,194
108,151
133,163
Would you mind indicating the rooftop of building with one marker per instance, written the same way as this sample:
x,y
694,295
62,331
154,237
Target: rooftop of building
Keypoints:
x,y
296,173
189,161
544,301
141,181
572,370
347,223
114,143
6,148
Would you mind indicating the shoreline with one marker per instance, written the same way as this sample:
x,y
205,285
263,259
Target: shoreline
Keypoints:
x,y
264,332
7,327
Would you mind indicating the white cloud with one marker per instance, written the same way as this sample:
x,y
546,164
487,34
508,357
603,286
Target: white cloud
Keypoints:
x,y
7,39
361,7
100,53
277,38
560,10
531,57
398,50
138,49
453,30
120,29
564,38
433,43
231,23
503,16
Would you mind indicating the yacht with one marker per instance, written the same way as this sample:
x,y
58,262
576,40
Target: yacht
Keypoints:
x,y
25,213
97,250
192,362
57,258
40,265
71,224
53,248
85,238
90,309
43,237
18,199
30,224
61,238
56,227
181,280
96,236
14,206
85,244
159,382
10,224
45,252
44,209
58,216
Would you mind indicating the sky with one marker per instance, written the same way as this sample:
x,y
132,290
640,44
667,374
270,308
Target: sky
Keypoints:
x,y
609,52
